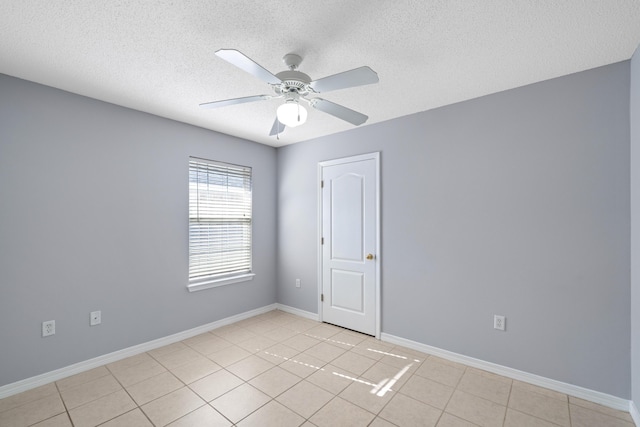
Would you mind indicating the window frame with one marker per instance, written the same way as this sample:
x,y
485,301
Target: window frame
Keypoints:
x,y
225,278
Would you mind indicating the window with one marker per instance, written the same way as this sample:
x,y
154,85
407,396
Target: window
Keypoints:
x,y
219,224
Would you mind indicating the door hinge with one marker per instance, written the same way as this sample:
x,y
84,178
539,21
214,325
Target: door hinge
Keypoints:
x,y
322,184
321,297
322,240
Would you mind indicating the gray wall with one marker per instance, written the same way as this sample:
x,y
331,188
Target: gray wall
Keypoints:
x,y
93,216
515,203
635,227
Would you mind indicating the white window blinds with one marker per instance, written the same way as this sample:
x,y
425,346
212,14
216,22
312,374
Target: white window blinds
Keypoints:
x,y
219,220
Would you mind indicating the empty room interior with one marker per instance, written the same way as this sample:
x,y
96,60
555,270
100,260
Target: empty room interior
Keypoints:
x,y
320,213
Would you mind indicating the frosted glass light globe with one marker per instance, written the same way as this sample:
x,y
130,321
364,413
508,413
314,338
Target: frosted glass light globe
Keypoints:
x,y
291,114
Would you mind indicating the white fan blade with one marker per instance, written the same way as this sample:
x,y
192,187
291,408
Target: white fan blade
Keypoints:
x,y
336,110
243,62
226,102
357,77
276,128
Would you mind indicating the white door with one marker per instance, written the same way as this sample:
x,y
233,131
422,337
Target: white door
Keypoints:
x,y
350,295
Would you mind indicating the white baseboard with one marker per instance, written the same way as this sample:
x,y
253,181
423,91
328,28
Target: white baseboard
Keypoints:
x,y
76,368
569,389
633,410
297,312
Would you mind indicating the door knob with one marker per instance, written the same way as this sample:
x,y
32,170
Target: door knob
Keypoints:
x,y
370,256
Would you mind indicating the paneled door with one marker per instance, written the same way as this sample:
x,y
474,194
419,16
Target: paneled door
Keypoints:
x,y
349,238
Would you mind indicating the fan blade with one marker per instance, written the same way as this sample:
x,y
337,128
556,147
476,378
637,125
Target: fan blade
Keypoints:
x,y
336,110
243,62
226,102
276,128
357,77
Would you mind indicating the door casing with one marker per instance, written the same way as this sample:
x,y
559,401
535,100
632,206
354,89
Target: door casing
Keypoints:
x,y
376,157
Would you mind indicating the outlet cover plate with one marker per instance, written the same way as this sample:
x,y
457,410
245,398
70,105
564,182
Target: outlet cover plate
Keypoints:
x,y
48,328
499,323
95,318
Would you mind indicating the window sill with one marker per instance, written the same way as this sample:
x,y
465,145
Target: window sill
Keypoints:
x,y
201,286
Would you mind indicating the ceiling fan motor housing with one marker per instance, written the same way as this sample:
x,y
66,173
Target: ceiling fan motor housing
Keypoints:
x,y
293,81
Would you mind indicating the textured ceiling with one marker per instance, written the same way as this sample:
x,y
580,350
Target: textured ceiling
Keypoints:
x,y
158,55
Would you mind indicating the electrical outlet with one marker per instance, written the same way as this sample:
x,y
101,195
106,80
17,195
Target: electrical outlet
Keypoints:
x,y
48,328
500,323
95,318
297,283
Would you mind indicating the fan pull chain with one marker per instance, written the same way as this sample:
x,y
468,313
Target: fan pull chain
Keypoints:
x,y
298,111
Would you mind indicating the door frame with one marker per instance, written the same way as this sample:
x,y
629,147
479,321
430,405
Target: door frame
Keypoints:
x,y
369,156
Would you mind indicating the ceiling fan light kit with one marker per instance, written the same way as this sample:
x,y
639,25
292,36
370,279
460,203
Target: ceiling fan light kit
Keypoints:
x,y
295,86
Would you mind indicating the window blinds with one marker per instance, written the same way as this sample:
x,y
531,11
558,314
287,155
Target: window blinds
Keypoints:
x,y
219,220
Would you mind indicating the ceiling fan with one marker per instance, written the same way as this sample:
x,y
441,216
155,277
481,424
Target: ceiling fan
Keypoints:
x,y
294,86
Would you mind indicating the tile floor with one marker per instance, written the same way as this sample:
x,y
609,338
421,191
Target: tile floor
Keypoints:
x,y
277,369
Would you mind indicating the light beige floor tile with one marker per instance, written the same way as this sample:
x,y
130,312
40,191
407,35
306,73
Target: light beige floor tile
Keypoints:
x,y
272,414
278,353
323,331
154,387
400,358
61,420
240,402
32,412
225,330
172,406
102,410
340,413
81,378
332,378
203,416
283,319
427,391
381,422
325,352
602,409
493,389
380,372
140,372
448,420
257,344
583,417
301,342
440,372
87,392
364,395
305,398
261,327
195,370
487,374
128,362
239,335
540,406
346,339
215,385
28,396
201,338
178,358
441,360
229,355
275,381
519,419
301,325
353,363
133,418
540,390
280,334
405,411
372,348
250,367
302,365
161,351
209,344
476,410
